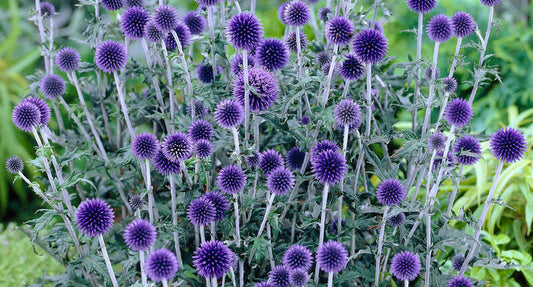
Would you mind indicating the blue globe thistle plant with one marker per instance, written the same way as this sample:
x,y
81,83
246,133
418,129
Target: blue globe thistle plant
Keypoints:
x,y
152,33
298,278
458,113
26,116
47,9
329,167
323,146
140,235
436,141
397,220
132,3
165,18
200,130
252,161
110,56
44,109
281,12
133,22
331,257
220,203
421,6
52,86
265,86
231,179
212,259
390,192
490,3
439,157
323,57
324,13
195,22
203,149
201,211
457,262
136,202
205,73
460,281
439,28
14,165
371,46
163,165
463,24
177,147
68,60
112,5
207,2
237,64
405,266
244,31
200,110
508,145
144,146
467,150
305,120
184,36
351,68
295,158
291,41
270,160
272,53
334,225
296,13
450,85
298,257
428,72
279,276
161,265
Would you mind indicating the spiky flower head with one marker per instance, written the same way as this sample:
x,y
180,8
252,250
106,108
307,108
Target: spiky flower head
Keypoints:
x,y
207,2
212,259
458,112
279,276
327,66
237,64
152,33
450,85
463,24
377,25
490,3
94,217
205,73
323,146
244,31
280,181
333,226
460,281
390,192
52,86
351,68
26,116
323,57
457,262
436,141
177,147
68,60
161,265
200,130
200,110
439,156
347,113
195,22
265,86
439,28
324,13
305,120
290,40
43,107
421,6
329,167
201,211
331,257
47,9
203,149
397,220
371,46
467,150
297,13
272,53
339,30
140,235
231,179
165,18
112,5
136,202
110,56
184,35
281,12
428,73
131,3
163,165
295,158
14,165
229,114
144,146
253,160
405,266
220,203
269,160
298,257
508,145
298,278
133,22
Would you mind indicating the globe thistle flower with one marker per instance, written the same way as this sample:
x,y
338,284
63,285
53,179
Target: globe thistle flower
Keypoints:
x,y
136,202
220,203
205,73
177,147
331,257
203,149
428,73
329,167
132,3
184,35
133,21
458,112
439,28
269,160
281,12
207,3
377,25
163,165
152,33
469,145
253,160
298,278
200,110
297,13
263,284
457,262
68,60
339,30
280,181
52,86
110,56
161,265
231,179
265,86
298,257
305,120
352,68
436,141
237,64
295,158
347,113
405,266
421,6
508,145
212,259
460,281
327,66
272,54
144,146
200,130
112,5
165,18
14,165
140,235
26,116
229,114
244,31
43,107
463,24
324,13
450,85
323,146
390,192
333,227
47,9
439,156
371,46
397,220
323,57
94,217
490,3
201,211
279,276
292,45
195,22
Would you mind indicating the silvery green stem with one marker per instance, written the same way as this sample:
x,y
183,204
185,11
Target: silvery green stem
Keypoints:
x,y
148,185
196,236
355,186
165,283
212,34
175,219
222,20
406,283
202,233
427,117
51,47
236,142
59,117
239,10
368,97
107,261
299,52
327,85
291,197
158,94
256,131
314,23
46,55
345,140
232,272
322,225
418,183
269,248
481,221
237,220
186,172
214,282
170,85
123,106
186,69
267,212
454,192
105,117
385,261
213,233
418,57
428,250
482,55
246,93
346,88
380,244
330,279
252,6
96,11
143,270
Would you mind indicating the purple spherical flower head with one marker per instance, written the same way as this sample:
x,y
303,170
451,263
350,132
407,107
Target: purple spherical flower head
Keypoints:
x,y
339,30
421,6
298,257
253,160
152,34
428,73
200,110
333,227
136,202
195,22
231,179
405,266
508,145
436,141
305,120
460,281
140,235
331,257
297,13
94,217
177,147
323,146
290,40
47,9
377,25
263,284
14,165
161,265
220,203
131,3
205,73
347,113
329,167
281,12
490,3
207,2
439,28
184,35
229,114
237,64
200,130
463,24
298,278
323,57
110,56
390,192
450,159
43,107
133,22
52,86
212,259
272,53
352,68
458,112
280,181
68,60
201,211
457,262
265,86
467,150
270,160
203,149
163,165
244,31
324,13
26,116
112,5
397,220
279,276
327,66
450,85
371,46
144,146
295,158
165,18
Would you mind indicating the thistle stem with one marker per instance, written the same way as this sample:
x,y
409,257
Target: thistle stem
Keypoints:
x,y
330,279
427,117
123,106
454,192
380,244
267,212
322,225
107,261
175,219
368,97
346,89
187,75
482,55
327,85
418,57
236,142
428,250
143,270
246,94
406,283
212,34
165,283
237,220
202,233
148,184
